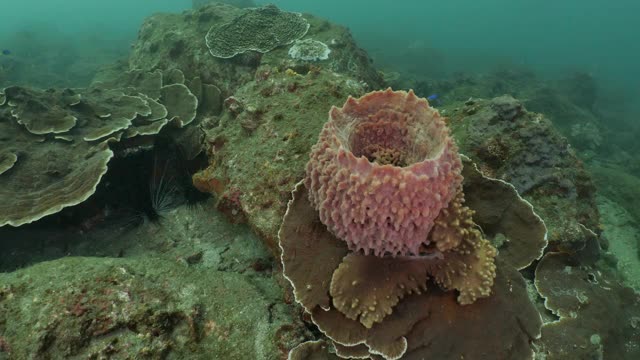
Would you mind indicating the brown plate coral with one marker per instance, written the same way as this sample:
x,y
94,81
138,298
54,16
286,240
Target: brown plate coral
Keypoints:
x,y
55,144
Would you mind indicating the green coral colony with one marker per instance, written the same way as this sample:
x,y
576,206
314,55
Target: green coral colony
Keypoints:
x,y
345,220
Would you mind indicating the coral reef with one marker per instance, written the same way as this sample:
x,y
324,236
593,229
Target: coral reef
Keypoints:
x,y
568,102
181,103
135,81
258,29
60,139
209,97
396,312
276,107
48,174
239,3
109,112
515,229
469,277
378,301
581,88
587,136
168,41
308,350
43,112
7,160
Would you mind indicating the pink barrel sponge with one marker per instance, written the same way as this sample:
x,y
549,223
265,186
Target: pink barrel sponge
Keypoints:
x,y
382,169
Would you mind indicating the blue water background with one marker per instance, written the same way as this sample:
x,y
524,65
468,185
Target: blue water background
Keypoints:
x,y
553,37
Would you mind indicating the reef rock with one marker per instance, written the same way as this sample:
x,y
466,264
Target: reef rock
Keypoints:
x,y
277,116
197,42
522,148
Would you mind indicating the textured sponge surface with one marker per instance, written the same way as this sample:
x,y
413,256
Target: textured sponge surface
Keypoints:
x,y
383,168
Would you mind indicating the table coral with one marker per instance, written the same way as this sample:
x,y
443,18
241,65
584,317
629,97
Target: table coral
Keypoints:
x,y
49,174
259,29
7,160
501,212
181,103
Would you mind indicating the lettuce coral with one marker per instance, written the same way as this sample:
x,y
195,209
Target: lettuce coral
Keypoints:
x,y
54,144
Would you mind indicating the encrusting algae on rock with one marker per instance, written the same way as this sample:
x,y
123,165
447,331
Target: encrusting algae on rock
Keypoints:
x,y
379,214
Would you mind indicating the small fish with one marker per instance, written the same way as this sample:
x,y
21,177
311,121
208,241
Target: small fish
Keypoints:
x,y
6,52
434,99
